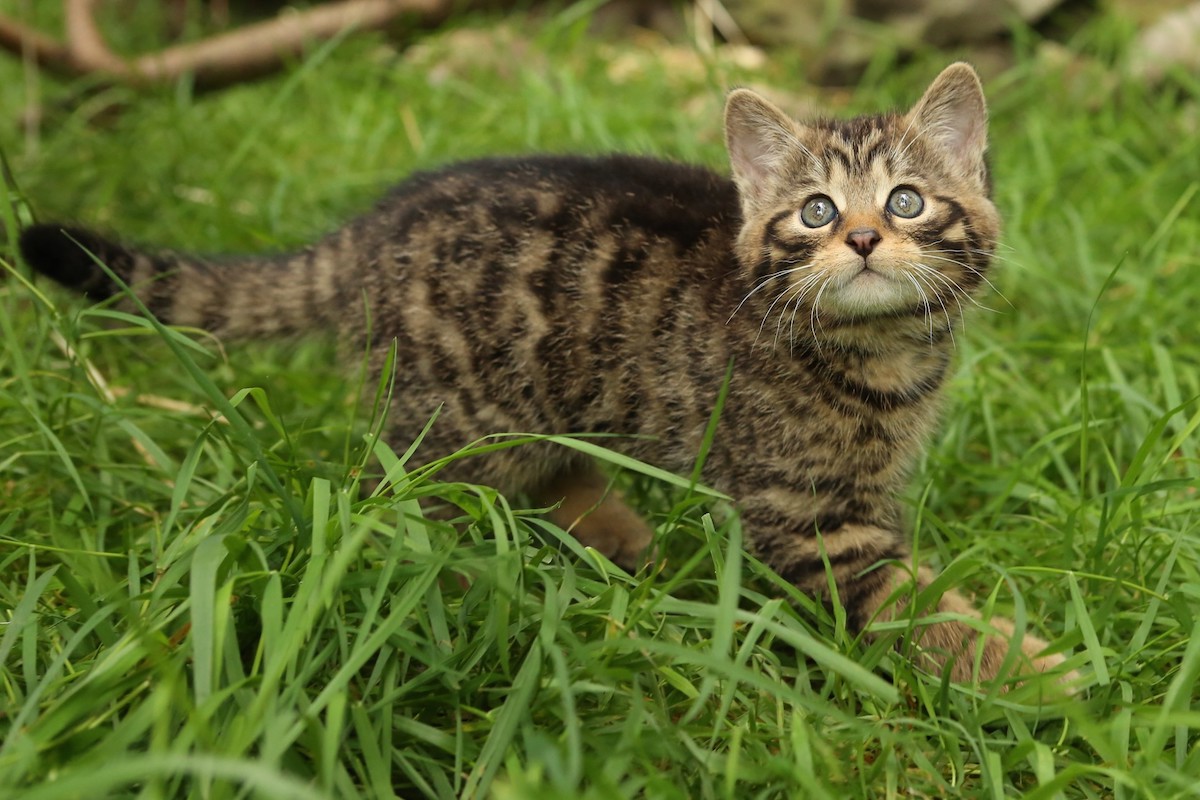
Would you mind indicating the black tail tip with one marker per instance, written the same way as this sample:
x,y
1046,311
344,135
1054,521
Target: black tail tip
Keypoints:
x,y
68,255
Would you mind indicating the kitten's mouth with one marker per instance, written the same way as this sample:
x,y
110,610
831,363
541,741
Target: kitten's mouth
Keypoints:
x,y
867,272
867,290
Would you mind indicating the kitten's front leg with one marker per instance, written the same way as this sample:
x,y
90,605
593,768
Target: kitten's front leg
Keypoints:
x,y
954,643
809,550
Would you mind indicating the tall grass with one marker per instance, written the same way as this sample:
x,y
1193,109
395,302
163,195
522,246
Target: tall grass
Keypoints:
x,y
198,597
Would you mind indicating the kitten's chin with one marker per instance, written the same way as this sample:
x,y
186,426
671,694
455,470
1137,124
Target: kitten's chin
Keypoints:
x,y
863,293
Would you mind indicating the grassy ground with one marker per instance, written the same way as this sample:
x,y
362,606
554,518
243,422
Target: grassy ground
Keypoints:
x,y
212,609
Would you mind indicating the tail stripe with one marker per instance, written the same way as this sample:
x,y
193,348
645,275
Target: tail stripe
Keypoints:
x,y
236,298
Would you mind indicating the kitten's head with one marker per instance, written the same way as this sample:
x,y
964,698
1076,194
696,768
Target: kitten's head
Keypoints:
x,y
876,217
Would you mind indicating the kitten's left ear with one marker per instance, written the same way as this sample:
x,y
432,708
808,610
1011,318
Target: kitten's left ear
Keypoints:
x,y
953,114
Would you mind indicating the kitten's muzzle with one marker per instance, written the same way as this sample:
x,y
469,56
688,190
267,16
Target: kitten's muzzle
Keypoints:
x,y
863,240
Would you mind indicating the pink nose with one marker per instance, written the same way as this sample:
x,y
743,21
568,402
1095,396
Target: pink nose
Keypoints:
x,y
863,240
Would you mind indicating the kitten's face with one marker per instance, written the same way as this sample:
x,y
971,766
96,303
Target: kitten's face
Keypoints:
x,y
884,216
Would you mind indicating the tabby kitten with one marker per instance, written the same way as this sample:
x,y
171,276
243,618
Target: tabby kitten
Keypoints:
x,y
565,295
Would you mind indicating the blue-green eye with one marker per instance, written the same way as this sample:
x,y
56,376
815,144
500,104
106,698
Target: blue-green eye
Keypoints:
x,y
818,212
905,202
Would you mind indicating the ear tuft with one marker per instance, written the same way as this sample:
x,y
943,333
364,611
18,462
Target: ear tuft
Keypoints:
x,y
761,141
953,114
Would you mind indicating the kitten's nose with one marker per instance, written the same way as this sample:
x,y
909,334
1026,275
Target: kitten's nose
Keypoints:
x,y
863,240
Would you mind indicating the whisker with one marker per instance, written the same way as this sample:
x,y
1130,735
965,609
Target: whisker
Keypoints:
x,y
954,288
974,271
955,293
782,294
924,302
899,154
814,314
802,288
763,282
796,310
945,311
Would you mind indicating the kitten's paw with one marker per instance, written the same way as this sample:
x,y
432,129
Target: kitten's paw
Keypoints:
x,y
959,643
595,514
616,531
1033,660
959,646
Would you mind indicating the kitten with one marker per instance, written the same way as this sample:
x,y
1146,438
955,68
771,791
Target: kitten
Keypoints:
x,y
565,295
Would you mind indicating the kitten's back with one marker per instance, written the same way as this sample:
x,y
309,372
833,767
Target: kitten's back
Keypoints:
x,y
470,225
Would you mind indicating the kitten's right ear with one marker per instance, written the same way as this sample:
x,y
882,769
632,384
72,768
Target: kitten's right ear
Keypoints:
x,y
761,140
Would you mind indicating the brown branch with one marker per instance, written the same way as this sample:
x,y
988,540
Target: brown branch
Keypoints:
x,y
220,60
265,46
46,51
85,43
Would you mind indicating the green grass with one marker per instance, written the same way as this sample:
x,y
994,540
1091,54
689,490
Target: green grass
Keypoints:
x,y
215,608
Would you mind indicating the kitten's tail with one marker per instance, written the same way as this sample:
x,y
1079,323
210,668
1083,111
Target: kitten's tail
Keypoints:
x,y
248,297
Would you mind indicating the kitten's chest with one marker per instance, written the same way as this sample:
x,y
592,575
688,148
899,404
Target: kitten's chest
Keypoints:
x,y
822,421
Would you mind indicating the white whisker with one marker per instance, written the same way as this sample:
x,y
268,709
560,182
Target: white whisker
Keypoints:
x,y
800,285
971,269
938,296
814,314
763,283
900,153
924,302
803,288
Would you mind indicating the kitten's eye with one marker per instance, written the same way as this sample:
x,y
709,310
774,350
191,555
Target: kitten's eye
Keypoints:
x,y
818,212
905,203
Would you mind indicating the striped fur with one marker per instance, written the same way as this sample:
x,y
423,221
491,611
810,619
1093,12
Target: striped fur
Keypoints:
x,y
563,294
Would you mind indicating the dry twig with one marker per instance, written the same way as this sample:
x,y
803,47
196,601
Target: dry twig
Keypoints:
x,y
45,50
241,54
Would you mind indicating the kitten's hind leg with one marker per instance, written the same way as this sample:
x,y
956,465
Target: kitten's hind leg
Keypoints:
x,y
584,501
594,512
